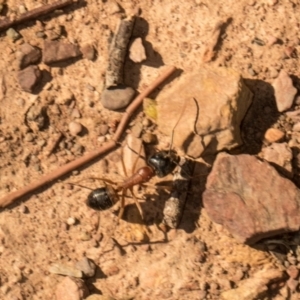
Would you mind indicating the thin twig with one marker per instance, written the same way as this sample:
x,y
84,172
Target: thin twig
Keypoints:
x,y
71,166
34,13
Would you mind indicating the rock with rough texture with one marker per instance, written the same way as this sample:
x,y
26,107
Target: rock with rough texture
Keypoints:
x,y
117,98
250,199
280,154
28,55
65,270
209,106
137,51
253,287
273,135
88,52
71,289
285,92
87,267
55,51
29,78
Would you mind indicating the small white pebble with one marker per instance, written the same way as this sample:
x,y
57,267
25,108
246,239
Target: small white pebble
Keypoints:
x,y
71,221
75,128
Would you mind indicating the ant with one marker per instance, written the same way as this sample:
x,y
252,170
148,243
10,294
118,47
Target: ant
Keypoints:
x,y
160,164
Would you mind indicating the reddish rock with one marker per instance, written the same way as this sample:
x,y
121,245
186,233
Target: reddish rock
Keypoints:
x,y
29,55
71,289
293,272
250,199
55,51
29,77
285,92
273,135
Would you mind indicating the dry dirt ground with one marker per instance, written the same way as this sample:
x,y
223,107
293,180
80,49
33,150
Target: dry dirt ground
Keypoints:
x,y
199,260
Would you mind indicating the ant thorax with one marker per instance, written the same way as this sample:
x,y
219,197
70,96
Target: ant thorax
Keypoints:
x,y
163,162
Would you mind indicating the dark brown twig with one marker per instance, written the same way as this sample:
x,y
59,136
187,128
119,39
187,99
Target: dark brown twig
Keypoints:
x,y
35,13
59,172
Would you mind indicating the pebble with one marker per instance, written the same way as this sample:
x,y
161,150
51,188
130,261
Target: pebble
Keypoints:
x,y
40,34
273,135
22,9
88,52
137,51
103,129
271,40
71,221
65,270
55,51
87,267
149,138
293,271
29,55
29,137
292,284
85,236
71,289
29,78
75,128
285,92
117,98
75,114
12,34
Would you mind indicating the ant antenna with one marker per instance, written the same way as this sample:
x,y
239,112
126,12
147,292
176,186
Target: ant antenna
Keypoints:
x,y
82,186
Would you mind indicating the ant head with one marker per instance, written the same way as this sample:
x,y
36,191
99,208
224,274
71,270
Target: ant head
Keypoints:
x,y
163,162
102,198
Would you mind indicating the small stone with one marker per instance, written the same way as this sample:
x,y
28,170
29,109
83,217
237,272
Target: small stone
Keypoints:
x,y
274,135
55,51
114,7
137,51
149,138
71,289
292,284
29,55
103,129
271,40
279,154
22,9
75,128
54,33
65,270
71,221
75,114
24,209
293,271
88,52
40,34
12,34
87,267
65,97
29,78
29,137
85,236
285,92
117,97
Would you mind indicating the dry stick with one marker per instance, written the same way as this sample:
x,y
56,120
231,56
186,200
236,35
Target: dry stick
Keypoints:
x,y
59,172
35,13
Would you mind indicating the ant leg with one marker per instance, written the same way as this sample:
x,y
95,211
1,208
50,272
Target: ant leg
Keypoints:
x,y
96,178
137,203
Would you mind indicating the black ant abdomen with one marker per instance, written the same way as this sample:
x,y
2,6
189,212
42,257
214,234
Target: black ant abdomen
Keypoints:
x,y
163,162
102,198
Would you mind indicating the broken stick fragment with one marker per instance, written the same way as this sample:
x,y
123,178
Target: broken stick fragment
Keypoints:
x,y
117,95
34,14
117,52
175,204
